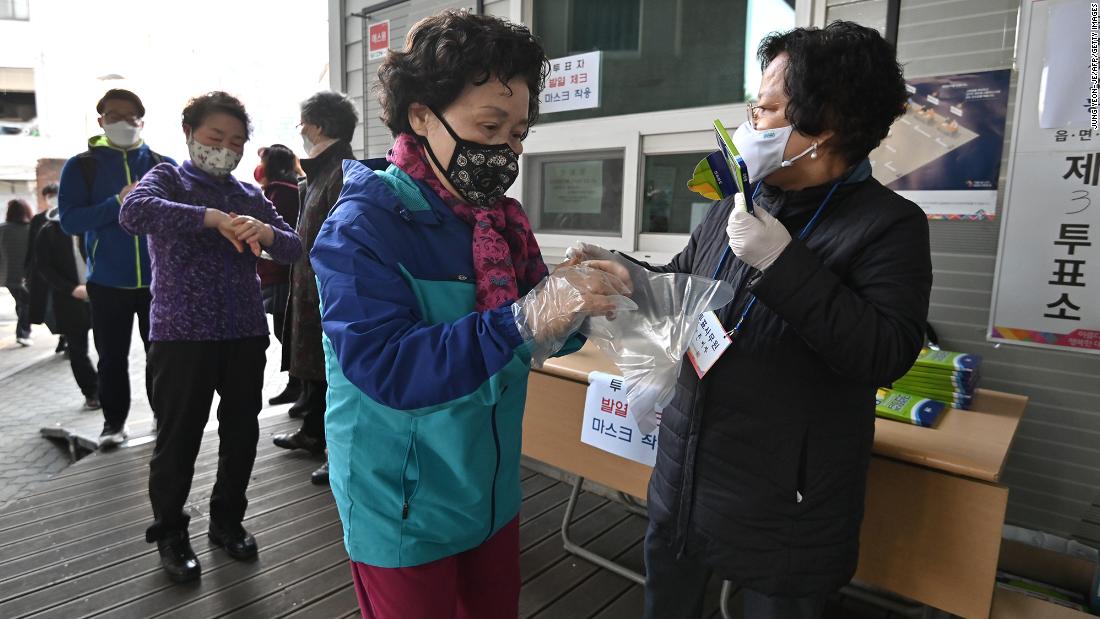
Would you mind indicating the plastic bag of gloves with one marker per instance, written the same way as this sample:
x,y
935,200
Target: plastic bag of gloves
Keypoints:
x,y
649,343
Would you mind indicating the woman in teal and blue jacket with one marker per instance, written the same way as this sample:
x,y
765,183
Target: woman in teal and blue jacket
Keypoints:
x,y
435,302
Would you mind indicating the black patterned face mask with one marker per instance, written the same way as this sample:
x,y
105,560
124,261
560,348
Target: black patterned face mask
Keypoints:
x,y
481,173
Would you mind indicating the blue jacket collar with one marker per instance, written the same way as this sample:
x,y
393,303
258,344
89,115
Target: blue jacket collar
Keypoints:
x,y
379,180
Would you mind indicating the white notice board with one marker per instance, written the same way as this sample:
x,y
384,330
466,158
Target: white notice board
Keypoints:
x,y
1047,284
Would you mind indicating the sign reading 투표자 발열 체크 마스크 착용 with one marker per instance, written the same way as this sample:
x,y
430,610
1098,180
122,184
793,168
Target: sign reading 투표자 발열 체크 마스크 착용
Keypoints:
x,y
573,83
1047,287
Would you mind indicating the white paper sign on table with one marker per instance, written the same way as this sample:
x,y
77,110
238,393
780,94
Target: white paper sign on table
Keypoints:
x,y
607,425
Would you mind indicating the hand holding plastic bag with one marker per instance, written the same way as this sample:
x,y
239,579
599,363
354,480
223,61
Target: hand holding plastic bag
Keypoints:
x,y
648,344
552,312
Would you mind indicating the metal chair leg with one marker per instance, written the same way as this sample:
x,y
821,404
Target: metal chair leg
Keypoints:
x,y
632,505
576,549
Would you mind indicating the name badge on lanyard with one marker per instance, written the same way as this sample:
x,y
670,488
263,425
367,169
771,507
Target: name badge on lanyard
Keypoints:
x,y
708,344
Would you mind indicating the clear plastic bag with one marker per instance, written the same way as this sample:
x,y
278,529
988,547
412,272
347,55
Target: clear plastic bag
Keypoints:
x,y
649,343
552,312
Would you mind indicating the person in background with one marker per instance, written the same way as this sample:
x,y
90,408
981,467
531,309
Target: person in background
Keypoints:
x,y
207,324
328,123
13,252
60,263
762,466
93,186
430,285
41,303
277,173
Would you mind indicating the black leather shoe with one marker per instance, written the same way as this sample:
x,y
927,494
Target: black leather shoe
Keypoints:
x,y
237,542
290,394
320,476
177,558
299,440
302,404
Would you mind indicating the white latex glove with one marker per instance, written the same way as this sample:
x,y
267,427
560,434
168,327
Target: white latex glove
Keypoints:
x,y
581,251
756,238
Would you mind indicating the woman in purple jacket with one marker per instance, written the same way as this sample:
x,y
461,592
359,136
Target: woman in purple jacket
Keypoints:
x,y
207,326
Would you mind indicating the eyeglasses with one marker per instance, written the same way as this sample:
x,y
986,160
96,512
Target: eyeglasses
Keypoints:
x,y
750,113
114,117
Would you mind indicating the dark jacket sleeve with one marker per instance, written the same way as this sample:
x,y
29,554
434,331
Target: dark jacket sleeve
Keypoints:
x,y
868,326
47,255
78,213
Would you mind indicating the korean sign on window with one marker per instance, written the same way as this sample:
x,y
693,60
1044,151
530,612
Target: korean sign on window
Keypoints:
x,y
573,84
1047,288
608,424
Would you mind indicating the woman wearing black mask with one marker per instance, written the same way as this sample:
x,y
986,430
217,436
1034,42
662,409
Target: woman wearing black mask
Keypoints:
x,y
434,302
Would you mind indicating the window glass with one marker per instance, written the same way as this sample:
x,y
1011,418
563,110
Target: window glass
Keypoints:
x,y
574,194
668,206
662,54
15,9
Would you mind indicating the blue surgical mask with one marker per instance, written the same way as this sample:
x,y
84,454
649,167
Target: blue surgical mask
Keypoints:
x,y
763,149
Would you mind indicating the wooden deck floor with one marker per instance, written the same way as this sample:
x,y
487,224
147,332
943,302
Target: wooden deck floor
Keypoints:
x,y
76,547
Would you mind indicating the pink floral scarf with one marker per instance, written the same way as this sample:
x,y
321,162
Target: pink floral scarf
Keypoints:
x,y
507,259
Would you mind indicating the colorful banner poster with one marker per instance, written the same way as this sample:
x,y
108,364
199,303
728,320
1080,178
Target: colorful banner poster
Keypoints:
x,y
944,153
1047,286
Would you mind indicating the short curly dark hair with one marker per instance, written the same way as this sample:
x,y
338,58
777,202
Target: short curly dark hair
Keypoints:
x,y
445,52
198,108
843,77
333,113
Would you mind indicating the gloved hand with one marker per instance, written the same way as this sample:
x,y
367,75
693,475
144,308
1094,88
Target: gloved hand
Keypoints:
x,y
555,309
581,251
756,238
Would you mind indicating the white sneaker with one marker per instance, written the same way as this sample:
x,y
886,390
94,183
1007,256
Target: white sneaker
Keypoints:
x,y
113,438
24,341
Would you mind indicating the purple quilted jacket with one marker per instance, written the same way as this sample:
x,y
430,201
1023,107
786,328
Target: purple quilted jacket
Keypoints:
x,y
203,289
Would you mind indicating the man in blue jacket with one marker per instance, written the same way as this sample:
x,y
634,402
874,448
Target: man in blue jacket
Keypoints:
x,y
93,185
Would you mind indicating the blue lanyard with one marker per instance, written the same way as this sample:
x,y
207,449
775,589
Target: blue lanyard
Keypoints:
x,y
806,231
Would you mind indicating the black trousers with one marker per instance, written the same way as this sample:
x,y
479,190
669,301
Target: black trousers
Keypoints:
x,y
22,310
313,422
675,588
81,364
275,297
185,376
113,311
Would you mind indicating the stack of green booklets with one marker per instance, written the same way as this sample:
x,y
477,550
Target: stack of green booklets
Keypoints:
x,y
939,380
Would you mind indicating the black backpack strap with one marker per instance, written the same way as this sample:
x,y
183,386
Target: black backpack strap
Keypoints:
x,y
157,157
87,165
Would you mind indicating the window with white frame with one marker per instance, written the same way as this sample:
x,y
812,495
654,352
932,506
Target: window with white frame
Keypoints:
x,y
695,62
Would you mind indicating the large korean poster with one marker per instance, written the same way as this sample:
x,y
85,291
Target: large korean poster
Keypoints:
x,y
944,153
1047,286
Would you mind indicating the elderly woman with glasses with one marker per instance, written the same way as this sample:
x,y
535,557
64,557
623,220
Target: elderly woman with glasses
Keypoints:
x,y
762,466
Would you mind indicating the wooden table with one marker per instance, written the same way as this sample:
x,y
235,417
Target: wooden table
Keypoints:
x,y
934,508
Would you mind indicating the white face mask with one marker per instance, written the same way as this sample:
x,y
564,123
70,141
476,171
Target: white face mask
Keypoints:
x,y
52,201
763,149
214,160
122,134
